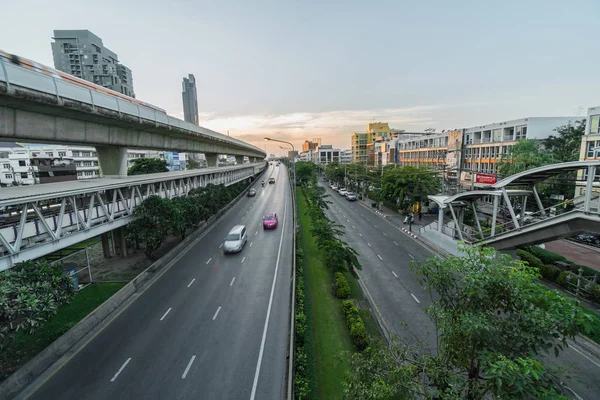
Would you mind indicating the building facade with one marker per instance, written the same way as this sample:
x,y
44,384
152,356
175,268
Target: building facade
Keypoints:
x,y
82,54
190,100
326,154
346,156
309,145
590,150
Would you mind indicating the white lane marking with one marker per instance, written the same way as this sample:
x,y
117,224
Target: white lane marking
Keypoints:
x,y
394,274
369,244
362,214
232,280
348,220
221,245
217,313
251,244
360,234
190,284
243,217
384,234
589,359
415,297
375,225
266,328
379,257
255,233
243,259
410,255
353,227
209,260
188,367
168,311
396,243
120,369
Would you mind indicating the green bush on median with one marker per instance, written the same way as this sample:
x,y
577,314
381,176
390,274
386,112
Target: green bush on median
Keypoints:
x,y
358,332
531,260
550,272
342,289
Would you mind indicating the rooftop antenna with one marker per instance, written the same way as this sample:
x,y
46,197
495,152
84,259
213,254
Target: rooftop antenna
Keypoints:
x,y
579,111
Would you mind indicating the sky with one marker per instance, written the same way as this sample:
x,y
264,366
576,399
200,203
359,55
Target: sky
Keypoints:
x,y
298,70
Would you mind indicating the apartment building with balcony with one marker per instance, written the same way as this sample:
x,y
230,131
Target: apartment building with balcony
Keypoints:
x,y
590,150
346,156
326,154
485,145
422,149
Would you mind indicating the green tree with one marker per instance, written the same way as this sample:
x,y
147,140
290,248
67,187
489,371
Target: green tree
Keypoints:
x,y
152,223
494,321
186,215
306,172
409,185
565,147
192,164
524,155
142,166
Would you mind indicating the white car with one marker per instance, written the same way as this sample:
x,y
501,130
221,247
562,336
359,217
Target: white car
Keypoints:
x,y
235,240
343,192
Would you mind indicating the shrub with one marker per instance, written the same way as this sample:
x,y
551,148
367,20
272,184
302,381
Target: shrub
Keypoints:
x,y
342,288
563,281
546,256
30,294
587,271
596,293
550,272
531,260
358,332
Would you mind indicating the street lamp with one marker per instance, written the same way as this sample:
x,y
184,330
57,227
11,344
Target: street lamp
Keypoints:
x,y
267,139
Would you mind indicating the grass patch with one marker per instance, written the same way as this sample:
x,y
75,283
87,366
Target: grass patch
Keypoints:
x,y
327,335
25,346
370,324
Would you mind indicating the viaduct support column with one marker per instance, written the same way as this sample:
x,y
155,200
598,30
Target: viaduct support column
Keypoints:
x,y
239,160
113,161
107,244
212,160
119,240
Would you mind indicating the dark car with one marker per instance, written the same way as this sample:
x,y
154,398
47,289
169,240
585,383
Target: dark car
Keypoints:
x,y
350,196
588,238
271,180
251,192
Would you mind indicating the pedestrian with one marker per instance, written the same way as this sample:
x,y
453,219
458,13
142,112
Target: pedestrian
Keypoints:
x,y
420,215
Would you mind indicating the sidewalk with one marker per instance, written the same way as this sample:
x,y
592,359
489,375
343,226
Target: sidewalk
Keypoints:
x,y
397,218
578,253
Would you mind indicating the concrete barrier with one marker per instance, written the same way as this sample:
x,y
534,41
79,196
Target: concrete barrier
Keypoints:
x,y
25,375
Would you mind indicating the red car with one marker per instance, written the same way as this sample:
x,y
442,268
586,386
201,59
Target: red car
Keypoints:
x,y
270,221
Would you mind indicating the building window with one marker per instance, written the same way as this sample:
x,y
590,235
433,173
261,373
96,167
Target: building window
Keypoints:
x,y
7,166
85,154
50,154
594,124
62,153
22,163
593,149
8,176
76,154
24,175
521,133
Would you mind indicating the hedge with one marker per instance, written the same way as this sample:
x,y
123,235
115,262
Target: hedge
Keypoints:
x,y
546,256
531,260
342,289
355,324
301,381
550,272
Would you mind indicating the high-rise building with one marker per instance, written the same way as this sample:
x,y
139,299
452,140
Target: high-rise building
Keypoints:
x,y
82,54
190,100
310,145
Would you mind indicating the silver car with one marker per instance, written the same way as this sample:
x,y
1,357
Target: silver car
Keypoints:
x,y
236,239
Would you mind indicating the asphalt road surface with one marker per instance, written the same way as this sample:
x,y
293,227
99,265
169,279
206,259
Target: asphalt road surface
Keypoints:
x,y
214,326
385,254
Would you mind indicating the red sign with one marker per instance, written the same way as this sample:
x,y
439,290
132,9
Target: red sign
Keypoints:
x,y
484,178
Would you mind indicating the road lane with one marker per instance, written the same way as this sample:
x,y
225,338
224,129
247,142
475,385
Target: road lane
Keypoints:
x,y
393,302
226,348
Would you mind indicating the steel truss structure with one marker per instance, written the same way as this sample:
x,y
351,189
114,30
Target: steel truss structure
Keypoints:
x,y
59,215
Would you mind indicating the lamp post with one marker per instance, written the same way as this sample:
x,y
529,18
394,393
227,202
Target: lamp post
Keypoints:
x,y
267,139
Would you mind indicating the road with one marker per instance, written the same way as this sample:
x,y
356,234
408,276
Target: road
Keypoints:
x,y
214,326
385,253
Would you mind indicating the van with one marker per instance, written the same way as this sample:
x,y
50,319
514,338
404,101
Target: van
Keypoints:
x,y
236,239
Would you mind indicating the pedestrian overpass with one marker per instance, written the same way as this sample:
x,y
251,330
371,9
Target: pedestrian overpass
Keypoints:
x,y
511,225
40,219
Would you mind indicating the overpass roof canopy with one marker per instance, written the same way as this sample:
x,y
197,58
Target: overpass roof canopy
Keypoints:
x,y
442,201
539,174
